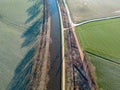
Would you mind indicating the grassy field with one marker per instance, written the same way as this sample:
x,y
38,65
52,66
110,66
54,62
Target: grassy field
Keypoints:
x,y
101,40
19,29
89,9
108,73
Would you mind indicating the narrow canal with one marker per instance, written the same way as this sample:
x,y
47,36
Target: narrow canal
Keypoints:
x,y
55,49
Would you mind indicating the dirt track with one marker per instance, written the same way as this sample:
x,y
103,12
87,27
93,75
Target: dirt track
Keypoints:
x,y
63,58
44,69
73,29
70,26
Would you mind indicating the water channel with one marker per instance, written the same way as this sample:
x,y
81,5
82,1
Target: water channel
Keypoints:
x,y
55,48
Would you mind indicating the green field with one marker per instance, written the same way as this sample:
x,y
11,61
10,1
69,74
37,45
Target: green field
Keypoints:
x,y
101,40
108,73
19,29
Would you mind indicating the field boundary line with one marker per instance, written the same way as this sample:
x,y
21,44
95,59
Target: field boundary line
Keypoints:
x,y
107,59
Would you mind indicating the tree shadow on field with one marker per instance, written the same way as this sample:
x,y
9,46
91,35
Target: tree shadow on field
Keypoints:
x,y
23,72
34,10
32,33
